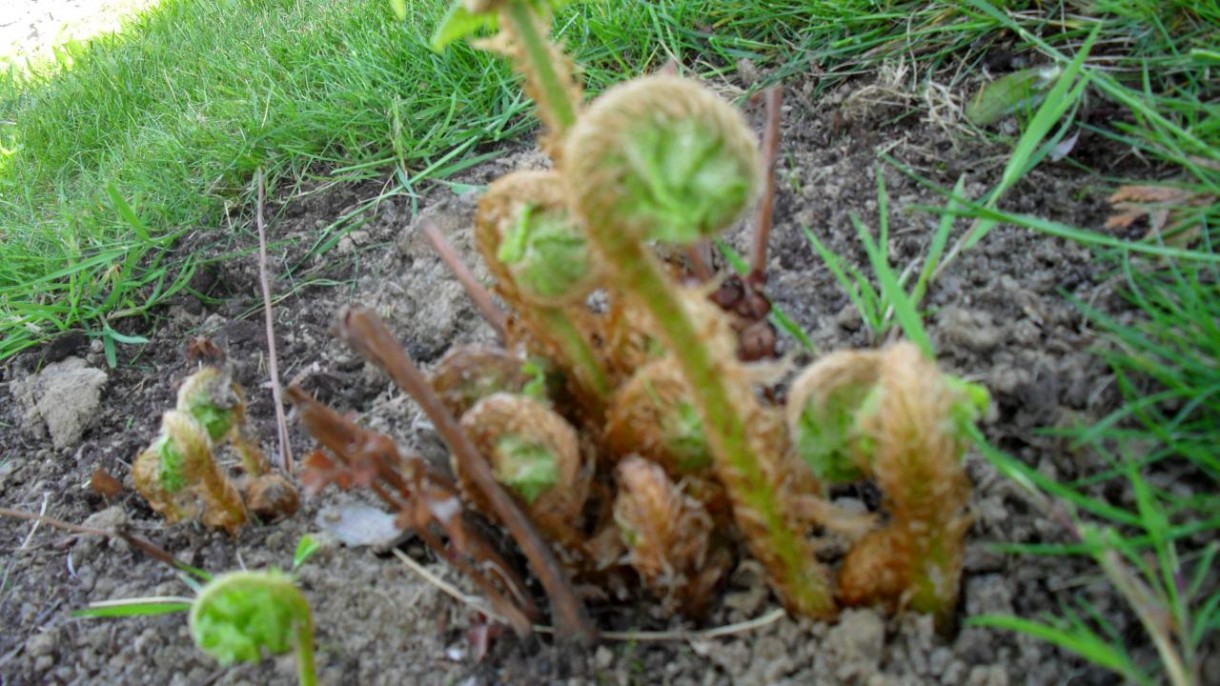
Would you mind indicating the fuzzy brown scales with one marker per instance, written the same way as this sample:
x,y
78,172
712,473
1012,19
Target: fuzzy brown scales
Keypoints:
x,y
552,494
651,415
631,341
501,207
916,561
564,333
669,538
271,497
466,375
203,493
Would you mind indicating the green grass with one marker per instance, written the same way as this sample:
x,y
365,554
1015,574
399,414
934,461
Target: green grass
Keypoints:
x,y
172,116
157,131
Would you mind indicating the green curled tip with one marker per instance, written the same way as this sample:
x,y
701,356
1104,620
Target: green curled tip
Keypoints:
x,y
664,157
548,256
526,467
239,615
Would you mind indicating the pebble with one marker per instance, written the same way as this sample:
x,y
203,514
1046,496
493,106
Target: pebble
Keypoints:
x,y
42,644
857,641
970,329
603,658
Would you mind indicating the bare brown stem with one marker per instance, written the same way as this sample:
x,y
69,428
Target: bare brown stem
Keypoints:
x,y
368,335
276,392
766,209
479,295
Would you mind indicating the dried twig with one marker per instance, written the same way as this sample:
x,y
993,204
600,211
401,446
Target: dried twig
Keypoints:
x,y
145,546
446,587
42,511
630,636
423,499
479,295
368,335
280,420
766,209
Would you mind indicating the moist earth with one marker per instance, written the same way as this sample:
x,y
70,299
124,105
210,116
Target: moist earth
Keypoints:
x,y
1001,315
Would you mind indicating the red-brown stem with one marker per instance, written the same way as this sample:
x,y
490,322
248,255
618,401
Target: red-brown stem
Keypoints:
x,y
368,335
276,391
479,295
766,209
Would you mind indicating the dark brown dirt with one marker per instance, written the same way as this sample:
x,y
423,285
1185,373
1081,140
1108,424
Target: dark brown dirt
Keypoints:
x,y
999,315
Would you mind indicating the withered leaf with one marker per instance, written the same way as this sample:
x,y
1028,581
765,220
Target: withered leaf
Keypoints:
x,y
1167,209
104,484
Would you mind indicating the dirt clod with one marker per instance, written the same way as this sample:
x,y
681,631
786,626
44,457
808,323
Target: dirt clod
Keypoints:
x,y
63,399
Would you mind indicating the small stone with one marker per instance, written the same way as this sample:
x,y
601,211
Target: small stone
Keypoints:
x,y
849,318
603,658
989,675
857,642
1026,332
65,396
939,661
42,644
107,519
954,674
7,469
86,577
988,594
970,329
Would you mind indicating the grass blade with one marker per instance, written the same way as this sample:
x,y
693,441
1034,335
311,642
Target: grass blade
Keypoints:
x,y
135,607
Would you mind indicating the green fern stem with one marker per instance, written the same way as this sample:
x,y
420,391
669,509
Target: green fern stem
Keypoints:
x,y
637,272
554,93
576,356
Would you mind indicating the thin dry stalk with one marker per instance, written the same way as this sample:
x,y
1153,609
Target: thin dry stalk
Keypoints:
x,y
144,545
627,636
446,587
368,335
766,209
42,511
276,392
479,295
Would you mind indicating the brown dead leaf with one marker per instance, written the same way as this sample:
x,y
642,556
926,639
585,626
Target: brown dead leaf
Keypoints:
x,y
202,349
1166,208
104,484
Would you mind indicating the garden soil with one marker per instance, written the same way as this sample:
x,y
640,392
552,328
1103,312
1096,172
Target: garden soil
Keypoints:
x,y
1001,315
